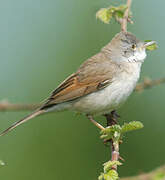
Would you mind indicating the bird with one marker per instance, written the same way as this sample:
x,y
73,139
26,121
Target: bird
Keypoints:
x,y
101,84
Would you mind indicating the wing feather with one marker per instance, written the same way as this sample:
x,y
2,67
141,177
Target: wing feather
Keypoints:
x,y
89,78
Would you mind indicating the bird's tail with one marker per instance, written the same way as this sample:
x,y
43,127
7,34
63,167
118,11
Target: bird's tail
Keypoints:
x,y
34,114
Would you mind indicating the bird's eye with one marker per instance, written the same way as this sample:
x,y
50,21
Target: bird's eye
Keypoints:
x,y
134,46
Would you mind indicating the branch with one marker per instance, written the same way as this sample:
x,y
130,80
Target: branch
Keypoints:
x,y
148,83
7,106
125,18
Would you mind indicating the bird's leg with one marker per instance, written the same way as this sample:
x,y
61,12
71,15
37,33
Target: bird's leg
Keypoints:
x,y
112,118
95,123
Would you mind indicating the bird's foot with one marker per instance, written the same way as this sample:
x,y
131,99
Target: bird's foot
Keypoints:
x,y
112,118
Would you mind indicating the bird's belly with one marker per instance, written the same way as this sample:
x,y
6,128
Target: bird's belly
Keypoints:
x,y
107,99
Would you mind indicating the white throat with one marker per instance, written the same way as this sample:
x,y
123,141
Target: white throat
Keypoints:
x,y
138,56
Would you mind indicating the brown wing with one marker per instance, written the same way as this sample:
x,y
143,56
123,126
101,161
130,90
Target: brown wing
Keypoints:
x,y
89,78
71,89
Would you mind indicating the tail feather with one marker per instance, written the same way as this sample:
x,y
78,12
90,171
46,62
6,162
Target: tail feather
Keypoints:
x,y
34,114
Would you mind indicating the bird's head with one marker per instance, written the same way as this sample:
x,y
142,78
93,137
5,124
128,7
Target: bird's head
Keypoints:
x,y
126,47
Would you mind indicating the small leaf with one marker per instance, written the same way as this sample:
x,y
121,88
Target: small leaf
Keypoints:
x,y
108,165
111,132
131,126
119,14
101,177
116,128
104,15
151,47
111,175
119,11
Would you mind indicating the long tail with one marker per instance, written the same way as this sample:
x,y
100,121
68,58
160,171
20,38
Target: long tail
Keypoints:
x,y
34,114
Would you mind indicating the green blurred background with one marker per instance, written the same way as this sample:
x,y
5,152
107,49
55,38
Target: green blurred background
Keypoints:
x,y
41,43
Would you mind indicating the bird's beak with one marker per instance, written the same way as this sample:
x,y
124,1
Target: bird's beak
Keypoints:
x,y
146,44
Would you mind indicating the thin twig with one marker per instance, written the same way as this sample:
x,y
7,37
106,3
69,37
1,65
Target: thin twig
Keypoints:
x,y
115,153
125,18
148,83
7,106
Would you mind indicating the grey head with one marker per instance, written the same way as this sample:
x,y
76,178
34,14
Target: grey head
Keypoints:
x,y
126,47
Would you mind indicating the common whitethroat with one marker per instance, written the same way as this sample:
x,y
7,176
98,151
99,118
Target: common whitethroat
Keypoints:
x,y
101,83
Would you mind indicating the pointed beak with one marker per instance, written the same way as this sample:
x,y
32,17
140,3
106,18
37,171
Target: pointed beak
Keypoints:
x,y
146,44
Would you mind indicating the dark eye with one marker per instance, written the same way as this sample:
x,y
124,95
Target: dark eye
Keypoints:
x,y
134,46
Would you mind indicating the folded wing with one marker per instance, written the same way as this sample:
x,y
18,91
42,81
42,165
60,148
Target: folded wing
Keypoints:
x,y
89,78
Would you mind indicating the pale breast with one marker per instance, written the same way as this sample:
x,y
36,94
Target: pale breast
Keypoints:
x,y
112,96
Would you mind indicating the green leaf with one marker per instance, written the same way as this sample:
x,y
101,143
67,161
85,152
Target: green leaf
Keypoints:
x,y
101,177
111,132
116,128
108,165
151,47
111,175
104,15
131,126
119,11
